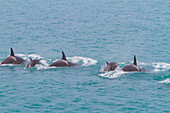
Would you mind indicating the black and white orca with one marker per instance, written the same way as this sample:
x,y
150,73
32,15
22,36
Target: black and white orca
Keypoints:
x,y
32,63
132,67
63,62
12,59
111,66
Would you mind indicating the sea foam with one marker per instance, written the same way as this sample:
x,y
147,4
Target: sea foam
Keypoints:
x,y
86,61
166,81
111,74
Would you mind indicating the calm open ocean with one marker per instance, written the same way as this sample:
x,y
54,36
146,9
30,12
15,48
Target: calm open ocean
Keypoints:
x,y
90,32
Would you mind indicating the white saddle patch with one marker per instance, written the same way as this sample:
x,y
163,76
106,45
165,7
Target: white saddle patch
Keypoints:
x,y
65,61
13,58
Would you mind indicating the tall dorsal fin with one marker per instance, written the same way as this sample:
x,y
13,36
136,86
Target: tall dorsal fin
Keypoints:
x,y
30,59
63,56
134,62
107,63
12,52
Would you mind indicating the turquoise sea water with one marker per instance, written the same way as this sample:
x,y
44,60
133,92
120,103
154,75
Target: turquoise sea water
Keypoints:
x,y
90,33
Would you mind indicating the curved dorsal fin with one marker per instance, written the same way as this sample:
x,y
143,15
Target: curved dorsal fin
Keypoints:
x,y
63,56
12,52
134,62
107,63
30,59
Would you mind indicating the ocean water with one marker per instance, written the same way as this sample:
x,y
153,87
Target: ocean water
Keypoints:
x,y
90,33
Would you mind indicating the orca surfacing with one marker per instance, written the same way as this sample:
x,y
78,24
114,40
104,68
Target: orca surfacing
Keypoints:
x,y
132,67
63,62
12,59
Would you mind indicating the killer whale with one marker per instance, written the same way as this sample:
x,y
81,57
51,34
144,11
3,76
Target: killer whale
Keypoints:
x,y
32,63
132,67
63,62
12,59
111,66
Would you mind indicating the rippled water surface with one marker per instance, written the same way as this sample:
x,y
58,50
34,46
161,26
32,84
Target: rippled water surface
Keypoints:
x,y
90,33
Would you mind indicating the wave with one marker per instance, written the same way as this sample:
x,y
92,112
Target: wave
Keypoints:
x,y
44,63
153,67
86,61
118,72
160,66
166,81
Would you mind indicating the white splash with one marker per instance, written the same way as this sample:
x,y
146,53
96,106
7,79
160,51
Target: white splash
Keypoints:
x,y
166,81
112,74
44,62
43,65
157,66
86,61
160,66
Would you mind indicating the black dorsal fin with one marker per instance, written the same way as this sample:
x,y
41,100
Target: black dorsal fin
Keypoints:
x,y
12,52
63,56
134,62
107,63
30,59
